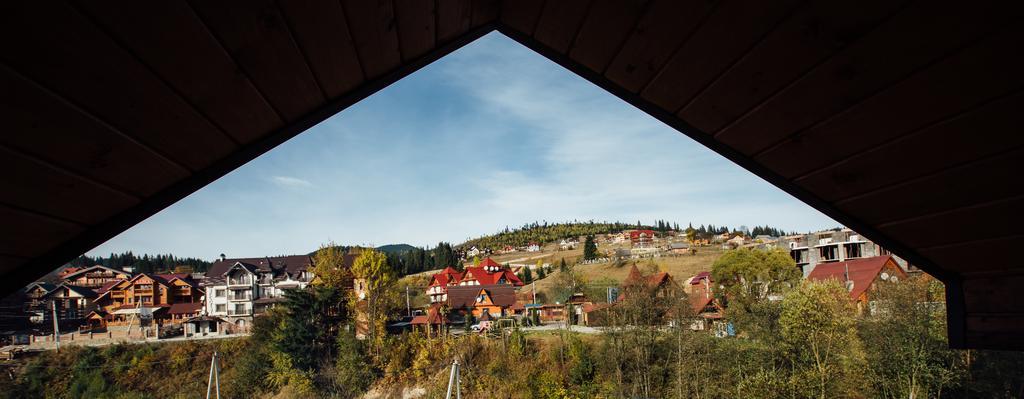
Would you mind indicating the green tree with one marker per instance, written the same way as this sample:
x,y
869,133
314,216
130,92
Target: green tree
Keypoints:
x,y
351,376
749,277
905,341
329,267
371,267
820,336
541,273
589,248
527,275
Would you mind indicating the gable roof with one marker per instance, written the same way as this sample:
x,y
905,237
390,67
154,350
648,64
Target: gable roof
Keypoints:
x,y
862,272
81,291
84,270
106,287
46,287
446,276
465,296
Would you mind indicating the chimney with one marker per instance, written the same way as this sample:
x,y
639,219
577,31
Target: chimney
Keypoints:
x,y
222,257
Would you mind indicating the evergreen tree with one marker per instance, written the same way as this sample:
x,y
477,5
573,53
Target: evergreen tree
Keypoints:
x,y
589,249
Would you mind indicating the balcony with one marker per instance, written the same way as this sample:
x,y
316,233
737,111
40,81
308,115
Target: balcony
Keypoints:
x,y
235,312
239,298
243,282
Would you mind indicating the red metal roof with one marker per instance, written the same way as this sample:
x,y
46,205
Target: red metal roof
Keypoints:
x,y
862,272
185,308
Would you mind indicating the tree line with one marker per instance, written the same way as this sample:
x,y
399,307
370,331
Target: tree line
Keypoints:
x,y
146,263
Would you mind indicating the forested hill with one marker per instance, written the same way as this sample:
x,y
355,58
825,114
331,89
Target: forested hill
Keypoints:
x,y
544,233
143,263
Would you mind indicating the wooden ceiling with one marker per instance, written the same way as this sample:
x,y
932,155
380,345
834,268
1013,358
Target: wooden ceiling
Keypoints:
x,y
901,120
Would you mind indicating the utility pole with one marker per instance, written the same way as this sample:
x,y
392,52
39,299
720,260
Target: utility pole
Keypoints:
x,y
534,292
408,309
453,381
56,327
214,377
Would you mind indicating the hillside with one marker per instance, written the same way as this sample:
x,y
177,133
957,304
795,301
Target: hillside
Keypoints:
x,y
547,233
395,248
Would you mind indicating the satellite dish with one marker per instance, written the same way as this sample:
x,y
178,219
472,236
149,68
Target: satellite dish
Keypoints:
x,y
362,295
885,276
849,286
893,279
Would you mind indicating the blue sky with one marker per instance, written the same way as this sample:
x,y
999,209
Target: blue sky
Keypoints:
x,y
490,136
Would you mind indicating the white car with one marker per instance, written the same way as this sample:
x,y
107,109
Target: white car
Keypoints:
x,y
475,327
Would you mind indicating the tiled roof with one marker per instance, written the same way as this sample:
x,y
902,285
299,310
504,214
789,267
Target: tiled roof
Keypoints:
x,y
695,280
862,272
447,276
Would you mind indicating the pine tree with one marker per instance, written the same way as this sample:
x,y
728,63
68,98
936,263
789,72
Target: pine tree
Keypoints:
x,y
589,249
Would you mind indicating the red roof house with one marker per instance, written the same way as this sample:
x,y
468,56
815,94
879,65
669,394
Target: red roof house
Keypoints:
x,y
861,276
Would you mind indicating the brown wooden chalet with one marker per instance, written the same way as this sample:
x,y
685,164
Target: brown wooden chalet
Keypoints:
x,y
495,299
165,298
128,107
94,276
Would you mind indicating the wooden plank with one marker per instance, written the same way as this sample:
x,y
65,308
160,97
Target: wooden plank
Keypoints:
x,y
955,85
191,60
321,30
994,294
257,37
660,32
994,331
43,40
987,221
732,29
915,38
50,191
453,18
956,140
416,30
954,188
373,29
37,120
485,11
602,33
34,234
559,23
812,34
977,256
521,15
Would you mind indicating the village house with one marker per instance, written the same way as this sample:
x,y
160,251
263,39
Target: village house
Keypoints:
x,y
678,248
33,300
533,247
473,251
144,298
72,303
810,250
237,290
488,272
568,244
93,277
706,307
861,276
641,238
495,300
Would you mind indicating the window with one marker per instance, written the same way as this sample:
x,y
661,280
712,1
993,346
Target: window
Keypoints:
x,y
239,309
218,293
220,308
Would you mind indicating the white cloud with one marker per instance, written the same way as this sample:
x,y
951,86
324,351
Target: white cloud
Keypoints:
x,y
289,181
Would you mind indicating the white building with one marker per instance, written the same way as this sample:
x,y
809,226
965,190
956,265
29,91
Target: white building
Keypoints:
x,y
239,289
